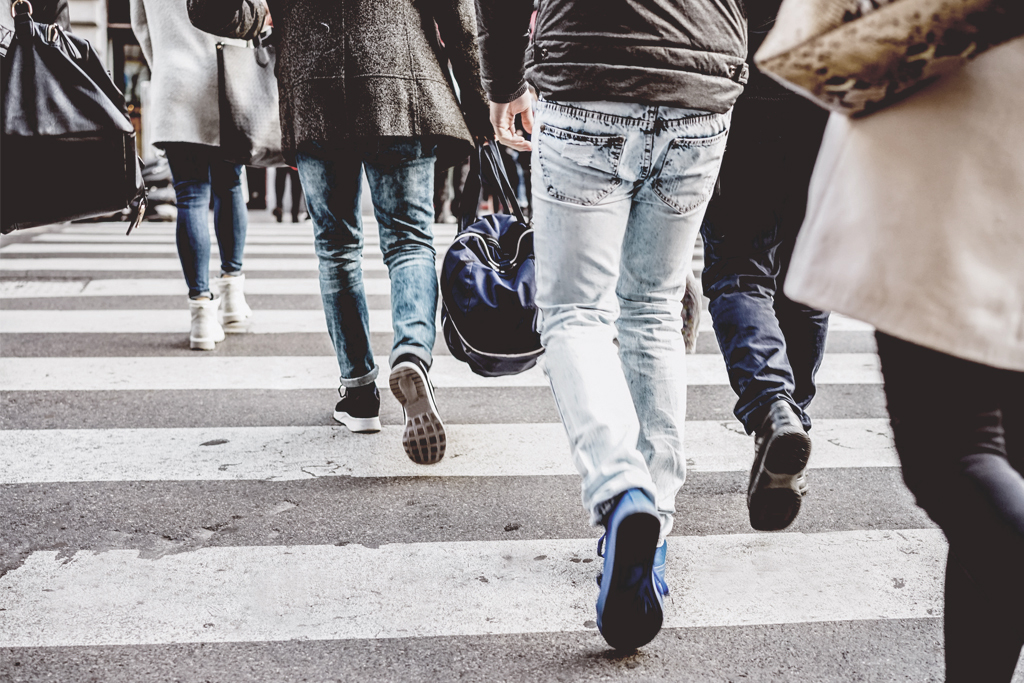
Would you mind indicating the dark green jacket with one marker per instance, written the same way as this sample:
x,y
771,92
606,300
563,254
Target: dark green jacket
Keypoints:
x,y
352,71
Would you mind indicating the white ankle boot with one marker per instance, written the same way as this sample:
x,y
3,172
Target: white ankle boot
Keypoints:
x,y
235,312
206,330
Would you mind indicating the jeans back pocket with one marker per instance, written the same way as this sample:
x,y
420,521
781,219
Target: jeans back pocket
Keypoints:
x,y
688,173
578,168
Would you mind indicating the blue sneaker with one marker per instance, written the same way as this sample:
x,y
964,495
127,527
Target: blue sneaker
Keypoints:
x,y
660,555
629,606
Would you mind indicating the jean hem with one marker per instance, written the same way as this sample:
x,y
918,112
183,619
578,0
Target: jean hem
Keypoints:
x,y
753,416
367,379
408,349
615,486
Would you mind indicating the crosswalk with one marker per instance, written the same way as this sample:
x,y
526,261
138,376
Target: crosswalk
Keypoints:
x,y
203,510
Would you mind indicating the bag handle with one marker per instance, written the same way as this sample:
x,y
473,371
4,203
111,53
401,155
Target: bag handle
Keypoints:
x,y
487,155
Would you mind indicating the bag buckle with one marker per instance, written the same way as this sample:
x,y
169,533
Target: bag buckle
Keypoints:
x,y
16,3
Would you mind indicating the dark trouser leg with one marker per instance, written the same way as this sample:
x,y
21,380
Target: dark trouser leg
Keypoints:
x,y
460,172
296,194
772,347
958,431
280,180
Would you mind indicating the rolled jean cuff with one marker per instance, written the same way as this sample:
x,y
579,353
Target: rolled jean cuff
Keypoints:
x,y
409,349
367,379
615,486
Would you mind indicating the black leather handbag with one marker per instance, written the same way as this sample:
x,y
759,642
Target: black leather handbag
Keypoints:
x,y
68,146
488,281
250,120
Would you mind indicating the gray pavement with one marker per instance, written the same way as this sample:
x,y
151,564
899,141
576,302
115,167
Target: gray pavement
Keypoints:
x,y
156,579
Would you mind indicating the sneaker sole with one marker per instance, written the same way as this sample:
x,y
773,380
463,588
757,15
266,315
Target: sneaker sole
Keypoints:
x,y
240,326
622,626
359,425
424,437
775,495
202,344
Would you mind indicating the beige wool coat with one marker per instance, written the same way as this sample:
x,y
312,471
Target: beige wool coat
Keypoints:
x,y
915,216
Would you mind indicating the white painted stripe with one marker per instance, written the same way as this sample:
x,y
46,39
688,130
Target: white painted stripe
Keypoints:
x,y
165,321
287,453
236,594
57,243
154,373
120,321
260,238
149,265
144,248
17,289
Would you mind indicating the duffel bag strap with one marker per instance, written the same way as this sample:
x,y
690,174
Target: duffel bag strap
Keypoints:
x,y
487,156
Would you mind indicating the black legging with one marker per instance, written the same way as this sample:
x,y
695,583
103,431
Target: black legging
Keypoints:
x,y
959,431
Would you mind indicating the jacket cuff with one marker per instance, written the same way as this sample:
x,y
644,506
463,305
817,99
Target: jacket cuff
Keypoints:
x,y
505,99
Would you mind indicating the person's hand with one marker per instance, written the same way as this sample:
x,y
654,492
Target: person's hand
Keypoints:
x,y
503,120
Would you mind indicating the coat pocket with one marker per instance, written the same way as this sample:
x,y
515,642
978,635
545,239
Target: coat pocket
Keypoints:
x,y
577,168
688,173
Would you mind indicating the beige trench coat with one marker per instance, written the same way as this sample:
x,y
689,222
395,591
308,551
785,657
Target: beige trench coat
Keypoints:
x,y
915,217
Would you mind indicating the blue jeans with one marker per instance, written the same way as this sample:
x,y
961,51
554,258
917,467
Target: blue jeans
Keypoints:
x,y
619,193
772,345
400,172
196,170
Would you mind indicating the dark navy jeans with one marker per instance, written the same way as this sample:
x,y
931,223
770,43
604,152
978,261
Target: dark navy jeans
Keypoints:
x,y
772,345
196,170
400,172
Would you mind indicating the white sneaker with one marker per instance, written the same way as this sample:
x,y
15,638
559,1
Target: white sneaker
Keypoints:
x,y
206,331
235,312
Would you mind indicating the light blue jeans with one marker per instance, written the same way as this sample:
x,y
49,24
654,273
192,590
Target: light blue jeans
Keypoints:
x,y
400,172
619,195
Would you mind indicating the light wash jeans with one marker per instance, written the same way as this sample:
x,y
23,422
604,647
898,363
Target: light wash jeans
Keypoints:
x,y
400,172
619,195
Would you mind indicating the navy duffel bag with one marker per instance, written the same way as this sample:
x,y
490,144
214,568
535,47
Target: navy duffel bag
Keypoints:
x,y
488,281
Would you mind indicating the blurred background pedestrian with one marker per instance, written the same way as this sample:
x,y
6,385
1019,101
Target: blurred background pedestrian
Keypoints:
x,y
286,175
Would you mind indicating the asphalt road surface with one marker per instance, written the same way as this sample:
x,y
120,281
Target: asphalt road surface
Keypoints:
x,y
171,515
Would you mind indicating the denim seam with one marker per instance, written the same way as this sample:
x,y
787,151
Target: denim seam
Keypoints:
x,y
643,124
668,124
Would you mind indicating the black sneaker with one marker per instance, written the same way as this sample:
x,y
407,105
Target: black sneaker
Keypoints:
x,y
423,438
359,409
778,480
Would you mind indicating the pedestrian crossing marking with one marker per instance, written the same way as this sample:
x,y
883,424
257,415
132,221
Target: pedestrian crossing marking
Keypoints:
x,y
296,453
184,592
282,373
19,289
159,264
272,593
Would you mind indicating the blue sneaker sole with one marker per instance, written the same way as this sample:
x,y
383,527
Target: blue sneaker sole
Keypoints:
x,y
623,622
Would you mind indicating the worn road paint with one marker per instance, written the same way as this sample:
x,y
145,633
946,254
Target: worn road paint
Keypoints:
x,y
292,453
221,594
